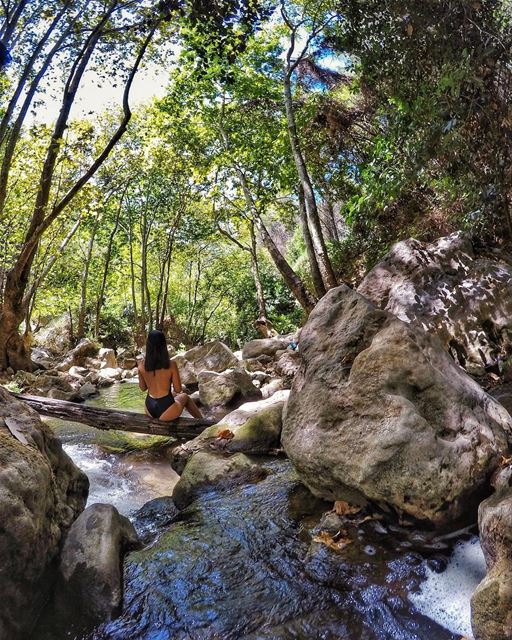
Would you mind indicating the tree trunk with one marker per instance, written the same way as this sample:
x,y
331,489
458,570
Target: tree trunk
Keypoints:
x,y
80,328
101,293
106,419
313,217
316,275
292,280
262,305
12,349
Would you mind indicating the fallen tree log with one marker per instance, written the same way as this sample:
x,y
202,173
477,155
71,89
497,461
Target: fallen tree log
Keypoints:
x,y
101,418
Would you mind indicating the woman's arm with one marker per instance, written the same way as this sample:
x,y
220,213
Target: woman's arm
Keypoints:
x,y
142,382
175,377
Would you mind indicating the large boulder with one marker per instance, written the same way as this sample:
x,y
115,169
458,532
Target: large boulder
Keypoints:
x,y
206,470
41,493
212,356
77,356
378,410
253,428
90,572
264,347
446,287
227,388
188,375
491,603
108,359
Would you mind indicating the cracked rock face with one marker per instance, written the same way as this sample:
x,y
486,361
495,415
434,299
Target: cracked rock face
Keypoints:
x,y
449,290
379,411
41,494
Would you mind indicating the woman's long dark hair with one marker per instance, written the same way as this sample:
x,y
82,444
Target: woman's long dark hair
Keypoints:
x,y
157,356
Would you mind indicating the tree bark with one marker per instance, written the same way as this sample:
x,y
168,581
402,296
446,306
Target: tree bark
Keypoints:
x,y
313,217
316,275
107,419
292,280
80,327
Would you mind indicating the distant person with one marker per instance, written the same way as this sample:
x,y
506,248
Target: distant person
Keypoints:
x,y
160,377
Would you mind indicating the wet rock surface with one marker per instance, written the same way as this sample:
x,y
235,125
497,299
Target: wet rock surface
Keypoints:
x,y
214,471
243,564
452,291
89,584
41,493
154,518
379,411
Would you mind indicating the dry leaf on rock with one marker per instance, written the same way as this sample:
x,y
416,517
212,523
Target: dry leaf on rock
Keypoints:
x,y
225,434
336,542
342,508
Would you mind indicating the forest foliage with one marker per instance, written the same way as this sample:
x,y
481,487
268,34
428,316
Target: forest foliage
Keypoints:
x,y
295,143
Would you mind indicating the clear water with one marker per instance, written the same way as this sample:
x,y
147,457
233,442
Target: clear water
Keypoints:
x,y
126,480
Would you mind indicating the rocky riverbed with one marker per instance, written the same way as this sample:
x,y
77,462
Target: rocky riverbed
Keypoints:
x,y
262,560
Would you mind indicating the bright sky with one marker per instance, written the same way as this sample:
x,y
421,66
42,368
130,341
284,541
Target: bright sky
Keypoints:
x,y
95,94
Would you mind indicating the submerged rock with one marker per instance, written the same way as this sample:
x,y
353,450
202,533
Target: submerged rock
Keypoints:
x,y
450,290
206,470
41,493
491,603
232,566
90,572
379,411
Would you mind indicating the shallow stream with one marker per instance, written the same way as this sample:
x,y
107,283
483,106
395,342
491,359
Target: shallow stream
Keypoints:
x,y
243,563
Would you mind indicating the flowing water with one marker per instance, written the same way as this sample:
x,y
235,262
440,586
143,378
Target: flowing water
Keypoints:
x,y
244,562
126,480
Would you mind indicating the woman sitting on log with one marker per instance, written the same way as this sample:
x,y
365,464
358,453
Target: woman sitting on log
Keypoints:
x,y
159,376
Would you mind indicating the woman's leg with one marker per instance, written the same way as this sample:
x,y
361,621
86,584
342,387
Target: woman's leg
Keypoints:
x,y
181,401
192,408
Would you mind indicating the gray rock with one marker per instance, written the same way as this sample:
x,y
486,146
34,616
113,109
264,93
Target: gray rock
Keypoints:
x,y
206,470
212,356
221,389
186,370
155,517
378,410
264,347
87,390
288,363
491,603
272,387
41,493
107,358
257,364
77,356
451,291
90,571
256,428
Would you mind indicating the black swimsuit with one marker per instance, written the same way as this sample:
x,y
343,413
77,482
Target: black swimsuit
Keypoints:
x,y
156,406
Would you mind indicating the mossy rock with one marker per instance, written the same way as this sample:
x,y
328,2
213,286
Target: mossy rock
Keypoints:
x,y
122,442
